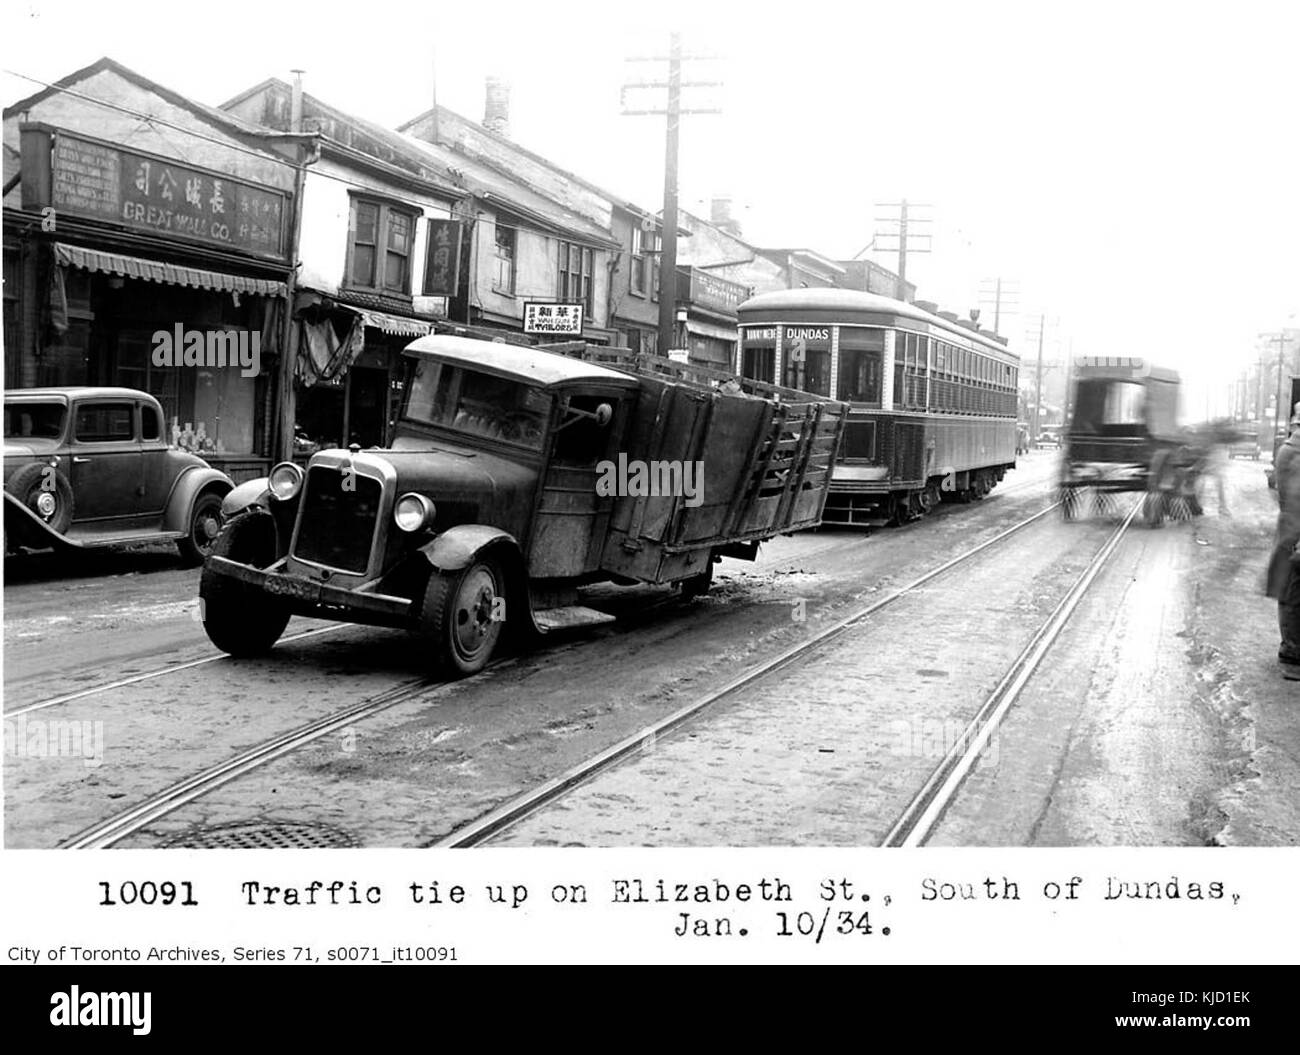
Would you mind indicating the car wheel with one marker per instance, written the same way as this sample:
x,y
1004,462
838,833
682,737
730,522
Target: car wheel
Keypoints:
x,y
46,492
205,526
239,621
462,615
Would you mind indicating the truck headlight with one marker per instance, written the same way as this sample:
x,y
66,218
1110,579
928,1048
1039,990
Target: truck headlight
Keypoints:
x,y
413,512
285,481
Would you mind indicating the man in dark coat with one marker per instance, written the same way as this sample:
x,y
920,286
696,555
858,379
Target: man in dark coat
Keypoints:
x,y
1284,567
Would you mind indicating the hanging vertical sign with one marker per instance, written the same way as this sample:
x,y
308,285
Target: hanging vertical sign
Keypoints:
x,y
442,261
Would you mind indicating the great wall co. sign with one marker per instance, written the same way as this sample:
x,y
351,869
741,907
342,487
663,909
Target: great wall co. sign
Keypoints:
x,y
155,194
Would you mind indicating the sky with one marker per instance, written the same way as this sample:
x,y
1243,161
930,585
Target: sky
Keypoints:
x,y
1132,169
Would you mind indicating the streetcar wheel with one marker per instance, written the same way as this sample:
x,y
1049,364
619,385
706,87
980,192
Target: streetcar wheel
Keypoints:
x,y
462,615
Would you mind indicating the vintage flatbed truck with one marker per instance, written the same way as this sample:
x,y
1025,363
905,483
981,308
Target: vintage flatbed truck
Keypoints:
x,y
516,475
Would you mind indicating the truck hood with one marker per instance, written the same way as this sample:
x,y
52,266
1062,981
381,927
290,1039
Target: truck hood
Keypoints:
x,y
468,486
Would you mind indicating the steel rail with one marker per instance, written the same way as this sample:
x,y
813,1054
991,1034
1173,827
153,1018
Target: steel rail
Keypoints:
x,y
512,812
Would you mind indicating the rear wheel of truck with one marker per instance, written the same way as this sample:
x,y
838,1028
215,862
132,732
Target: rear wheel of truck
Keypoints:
x,y
242,622
698,585
463,613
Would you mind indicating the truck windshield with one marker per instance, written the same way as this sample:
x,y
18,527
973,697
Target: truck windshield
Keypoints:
x,y
477,404
34,420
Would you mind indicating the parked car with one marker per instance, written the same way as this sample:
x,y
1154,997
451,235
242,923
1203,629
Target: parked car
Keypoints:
x,y
1049,438
90,467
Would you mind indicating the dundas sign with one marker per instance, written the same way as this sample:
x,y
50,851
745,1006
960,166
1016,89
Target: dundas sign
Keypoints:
x,y
156,194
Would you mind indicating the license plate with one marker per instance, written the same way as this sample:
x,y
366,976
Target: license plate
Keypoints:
x,y
291,587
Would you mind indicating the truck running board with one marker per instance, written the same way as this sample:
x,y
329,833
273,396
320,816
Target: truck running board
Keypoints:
x,y
548,619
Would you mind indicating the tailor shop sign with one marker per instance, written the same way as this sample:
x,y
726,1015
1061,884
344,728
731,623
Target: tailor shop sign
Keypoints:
x,y
158,195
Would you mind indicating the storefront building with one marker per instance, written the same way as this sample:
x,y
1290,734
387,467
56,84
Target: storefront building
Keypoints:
x,y
151,254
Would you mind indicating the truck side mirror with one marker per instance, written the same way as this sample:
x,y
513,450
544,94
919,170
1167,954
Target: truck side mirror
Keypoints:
x,y
604,414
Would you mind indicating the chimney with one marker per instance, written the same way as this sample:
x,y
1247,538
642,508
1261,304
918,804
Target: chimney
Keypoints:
x,y
720,216
295,107
496,107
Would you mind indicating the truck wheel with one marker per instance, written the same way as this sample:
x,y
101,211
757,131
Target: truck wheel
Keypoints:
x,y
698,585
462,615
46,492
238,621
205,526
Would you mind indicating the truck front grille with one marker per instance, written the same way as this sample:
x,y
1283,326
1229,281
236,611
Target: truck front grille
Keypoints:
x,y
336,523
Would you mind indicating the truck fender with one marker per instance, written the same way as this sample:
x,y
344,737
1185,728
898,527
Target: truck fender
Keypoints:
x,y
188,486
457,547
246,495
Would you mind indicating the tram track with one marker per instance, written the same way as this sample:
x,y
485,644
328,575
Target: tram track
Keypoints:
x,y
142,814
514,811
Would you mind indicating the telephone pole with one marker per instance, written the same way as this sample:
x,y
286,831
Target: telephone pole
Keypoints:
x,y
1038,382
900,227
672,112
999,292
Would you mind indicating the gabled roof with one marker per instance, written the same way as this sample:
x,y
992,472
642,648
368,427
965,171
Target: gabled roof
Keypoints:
x,y
617,200
228,123
449,167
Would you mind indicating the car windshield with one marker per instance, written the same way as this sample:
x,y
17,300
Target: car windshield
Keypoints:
x,y
476,403
34,420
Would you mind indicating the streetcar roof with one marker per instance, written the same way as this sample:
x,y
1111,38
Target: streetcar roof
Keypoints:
x,y
847,303
522,362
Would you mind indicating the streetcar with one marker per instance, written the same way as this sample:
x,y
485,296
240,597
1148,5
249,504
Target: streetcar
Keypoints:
x,y
932,399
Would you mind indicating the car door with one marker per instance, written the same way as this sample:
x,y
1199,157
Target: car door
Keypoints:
x,y
572,519
106,461
157,470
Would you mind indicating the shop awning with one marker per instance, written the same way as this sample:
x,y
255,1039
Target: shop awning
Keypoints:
x,y
394,324
158,271
708,329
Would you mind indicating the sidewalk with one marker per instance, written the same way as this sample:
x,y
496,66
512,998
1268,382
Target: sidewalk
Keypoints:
x,y
1233,642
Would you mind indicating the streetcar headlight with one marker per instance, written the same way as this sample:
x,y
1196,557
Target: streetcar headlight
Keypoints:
x,y
413,512
285,481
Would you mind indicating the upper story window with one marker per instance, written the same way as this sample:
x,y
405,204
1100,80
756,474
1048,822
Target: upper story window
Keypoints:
x,y
645,263
380,248
503,274
575,275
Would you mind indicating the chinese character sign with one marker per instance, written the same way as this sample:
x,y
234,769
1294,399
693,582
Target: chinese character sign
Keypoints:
x,y
549,318
159,195
442,261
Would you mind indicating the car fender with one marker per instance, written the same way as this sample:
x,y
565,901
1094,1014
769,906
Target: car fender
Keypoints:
x,y
457,547
246,495
25,528
187,488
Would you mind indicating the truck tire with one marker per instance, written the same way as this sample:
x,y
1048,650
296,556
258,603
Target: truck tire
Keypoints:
x,y
46,492
204,527
461,616
698,585
239,621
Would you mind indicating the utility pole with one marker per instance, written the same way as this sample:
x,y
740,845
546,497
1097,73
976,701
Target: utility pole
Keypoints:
x,y
672,112
1038,383
1000,293
903,224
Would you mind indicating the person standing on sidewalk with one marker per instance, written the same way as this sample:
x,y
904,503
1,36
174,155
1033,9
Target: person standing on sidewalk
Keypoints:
x,y
1284,566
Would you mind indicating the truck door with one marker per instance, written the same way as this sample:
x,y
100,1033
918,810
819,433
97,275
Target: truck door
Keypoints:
x,y
572,519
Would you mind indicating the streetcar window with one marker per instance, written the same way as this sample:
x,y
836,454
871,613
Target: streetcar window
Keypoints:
x,y
859,375
759,364
1107,407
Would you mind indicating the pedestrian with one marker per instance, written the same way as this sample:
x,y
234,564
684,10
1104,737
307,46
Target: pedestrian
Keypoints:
x,y
1284,566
